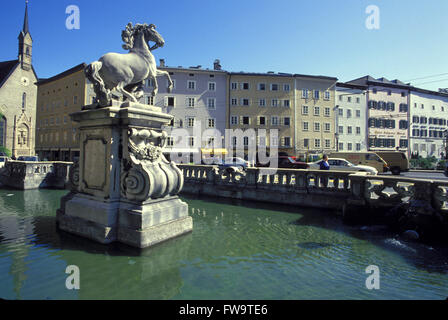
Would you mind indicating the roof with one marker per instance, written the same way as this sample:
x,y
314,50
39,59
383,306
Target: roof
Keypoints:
x,y
351,86
369,80
6,68
77,68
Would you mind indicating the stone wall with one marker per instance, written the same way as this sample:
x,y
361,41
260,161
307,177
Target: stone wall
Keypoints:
x,y
24,175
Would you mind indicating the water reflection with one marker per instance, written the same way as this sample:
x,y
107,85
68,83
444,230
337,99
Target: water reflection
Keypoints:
x,y
236,251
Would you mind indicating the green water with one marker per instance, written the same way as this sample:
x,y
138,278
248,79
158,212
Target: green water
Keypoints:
x,y
236,251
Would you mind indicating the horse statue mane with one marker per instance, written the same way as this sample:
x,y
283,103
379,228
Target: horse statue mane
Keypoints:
x,y
124,72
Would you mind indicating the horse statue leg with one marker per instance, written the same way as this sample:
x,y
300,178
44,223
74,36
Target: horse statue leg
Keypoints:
x,y
92,73
167,74
155,90
120,88
136,89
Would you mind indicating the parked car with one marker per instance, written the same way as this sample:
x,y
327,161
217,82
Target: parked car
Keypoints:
x,y
396,161
337,164
367,158
291,163
234,164
28,158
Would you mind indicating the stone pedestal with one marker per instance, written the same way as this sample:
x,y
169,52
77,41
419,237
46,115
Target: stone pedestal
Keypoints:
x,y
123,188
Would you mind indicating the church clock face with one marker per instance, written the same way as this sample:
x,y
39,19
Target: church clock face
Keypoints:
x,y
25,81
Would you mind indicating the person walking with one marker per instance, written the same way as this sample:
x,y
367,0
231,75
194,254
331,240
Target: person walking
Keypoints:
x,y
324,165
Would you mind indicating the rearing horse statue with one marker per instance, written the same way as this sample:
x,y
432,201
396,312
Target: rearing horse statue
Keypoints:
x,y
126,73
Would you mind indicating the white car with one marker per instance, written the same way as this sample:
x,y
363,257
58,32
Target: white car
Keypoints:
x,y
338,164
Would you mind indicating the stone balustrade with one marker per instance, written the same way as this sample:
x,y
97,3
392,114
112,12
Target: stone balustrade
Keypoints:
x,y
314,188
25,175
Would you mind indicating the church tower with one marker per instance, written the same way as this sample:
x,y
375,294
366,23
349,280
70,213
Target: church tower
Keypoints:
x,y
25,44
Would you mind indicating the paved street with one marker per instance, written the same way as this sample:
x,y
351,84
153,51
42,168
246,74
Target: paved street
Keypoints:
x,y
435,175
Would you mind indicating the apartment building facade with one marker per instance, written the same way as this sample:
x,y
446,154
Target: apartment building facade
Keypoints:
x,y
351,117
57,137
314,115
263,102
388,113
198,104
428,115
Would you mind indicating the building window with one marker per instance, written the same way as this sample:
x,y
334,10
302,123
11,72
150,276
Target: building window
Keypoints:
x,y
212,86
316,111
234,120
191,102
274,87
150,100
245,86
274,121
327,112
190,122
287,121
327,127
75,100
191,141
234,102
246,120
358,130
341,146
234,86
306,143
358,147
191,85
305,126
170,101
304,93
327,143
274,102
262,86
341,112
305,110
287,141
274,142
358,113
286,87
316,126
211,103
245,102
341,130
211,123
349,146
327,95
349,113
24,101
316,143
262,102
170,141
262,121
349,129
286,103
316,94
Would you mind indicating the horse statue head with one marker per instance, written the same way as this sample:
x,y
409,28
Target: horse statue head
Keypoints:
x,y
149,33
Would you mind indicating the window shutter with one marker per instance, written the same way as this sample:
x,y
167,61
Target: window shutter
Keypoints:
x,y
241,120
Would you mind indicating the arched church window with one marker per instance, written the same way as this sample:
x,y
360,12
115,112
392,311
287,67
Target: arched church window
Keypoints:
x,y
27,51
2,130
24,101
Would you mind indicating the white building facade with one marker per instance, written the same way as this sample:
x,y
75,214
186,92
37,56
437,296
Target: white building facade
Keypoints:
x,y
198,103
351,117
429,121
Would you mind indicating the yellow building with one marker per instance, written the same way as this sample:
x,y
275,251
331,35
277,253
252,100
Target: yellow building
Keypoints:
x,y
57,137
262,101
314,114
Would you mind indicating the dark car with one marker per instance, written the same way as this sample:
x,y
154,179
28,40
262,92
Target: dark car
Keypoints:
x,y
28,158
291,163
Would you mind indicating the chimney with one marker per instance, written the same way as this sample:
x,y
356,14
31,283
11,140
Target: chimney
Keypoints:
x,y
162,63
217,65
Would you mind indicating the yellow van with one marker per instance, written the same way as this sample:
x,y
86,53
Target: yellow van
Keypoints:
x,y
367,158
396,161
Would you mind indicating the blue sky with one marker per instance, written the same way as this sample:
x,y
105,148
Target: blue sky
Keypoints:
x,y
324,37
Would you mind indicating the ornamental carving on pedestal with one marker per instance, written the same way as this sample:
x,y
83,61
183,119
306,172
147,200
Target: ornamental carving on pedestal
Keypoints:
x,y
146,172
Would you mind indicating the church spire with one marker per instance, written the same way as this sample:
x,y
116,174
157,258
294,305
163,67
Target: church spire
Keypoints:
x,y
26,29
25,43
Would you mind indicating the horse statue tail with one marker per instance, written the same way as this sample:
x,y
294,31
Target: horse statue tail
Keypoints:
x,y
92,73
